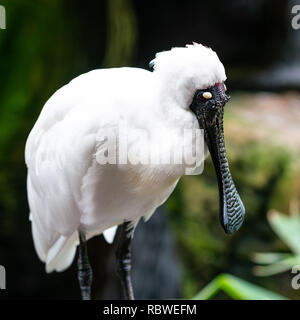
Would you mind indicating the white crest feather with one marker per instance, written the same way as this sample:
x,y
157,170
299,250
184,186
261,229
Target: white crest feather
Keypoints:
x,y
198,63
184,70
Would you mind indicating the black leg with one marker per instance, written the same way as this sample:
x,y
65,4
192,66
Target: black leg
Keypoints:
x,y
123,255
85,273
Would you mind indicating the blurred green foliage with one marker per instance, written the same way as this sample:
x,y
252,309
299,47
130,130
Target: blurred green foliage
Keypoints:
x,y
236,288
287,227
266,175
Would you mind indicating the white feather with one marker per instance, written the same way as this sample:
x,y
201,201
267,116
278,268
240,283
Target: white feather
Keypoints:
x,y
68,190
109,234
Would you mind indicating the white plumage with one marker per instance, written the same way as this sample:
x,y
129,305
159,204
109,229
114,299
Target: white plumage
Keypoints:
x,y
68,190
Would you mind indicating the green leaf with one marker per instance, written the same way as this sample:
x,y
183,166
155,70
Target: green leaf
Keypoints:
x,y
237,289
278,267
287,227
268,257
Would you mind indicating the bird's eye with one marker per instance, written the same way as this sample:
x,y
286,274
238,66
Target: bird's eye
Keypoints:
x,y
207,95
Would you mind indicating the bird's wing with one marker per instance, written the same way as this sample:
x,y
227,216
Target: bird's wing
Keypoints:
x,y
59,151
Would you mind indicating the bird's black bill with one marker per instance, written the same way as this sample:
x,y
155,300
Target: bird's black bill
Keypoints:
x,y
208,106
232,210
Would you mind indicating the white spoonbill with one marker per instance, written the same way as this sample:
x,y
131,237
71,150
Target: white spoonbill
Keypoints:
x,y
74,194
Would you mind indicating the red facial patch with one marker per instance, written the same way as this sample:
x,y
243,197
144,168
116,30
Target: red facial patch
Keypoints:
x,y
220,85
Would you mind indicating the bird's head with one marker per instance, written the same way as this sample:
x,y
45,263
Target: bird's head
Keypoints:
x,y
198,79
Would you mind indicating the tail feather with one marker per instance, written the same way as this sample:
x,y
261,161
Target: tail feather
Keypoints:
x,y
61,254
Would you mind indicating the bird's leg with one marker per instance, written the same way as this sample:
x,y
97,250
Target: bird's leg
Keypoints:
x,y
85,273
123,255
